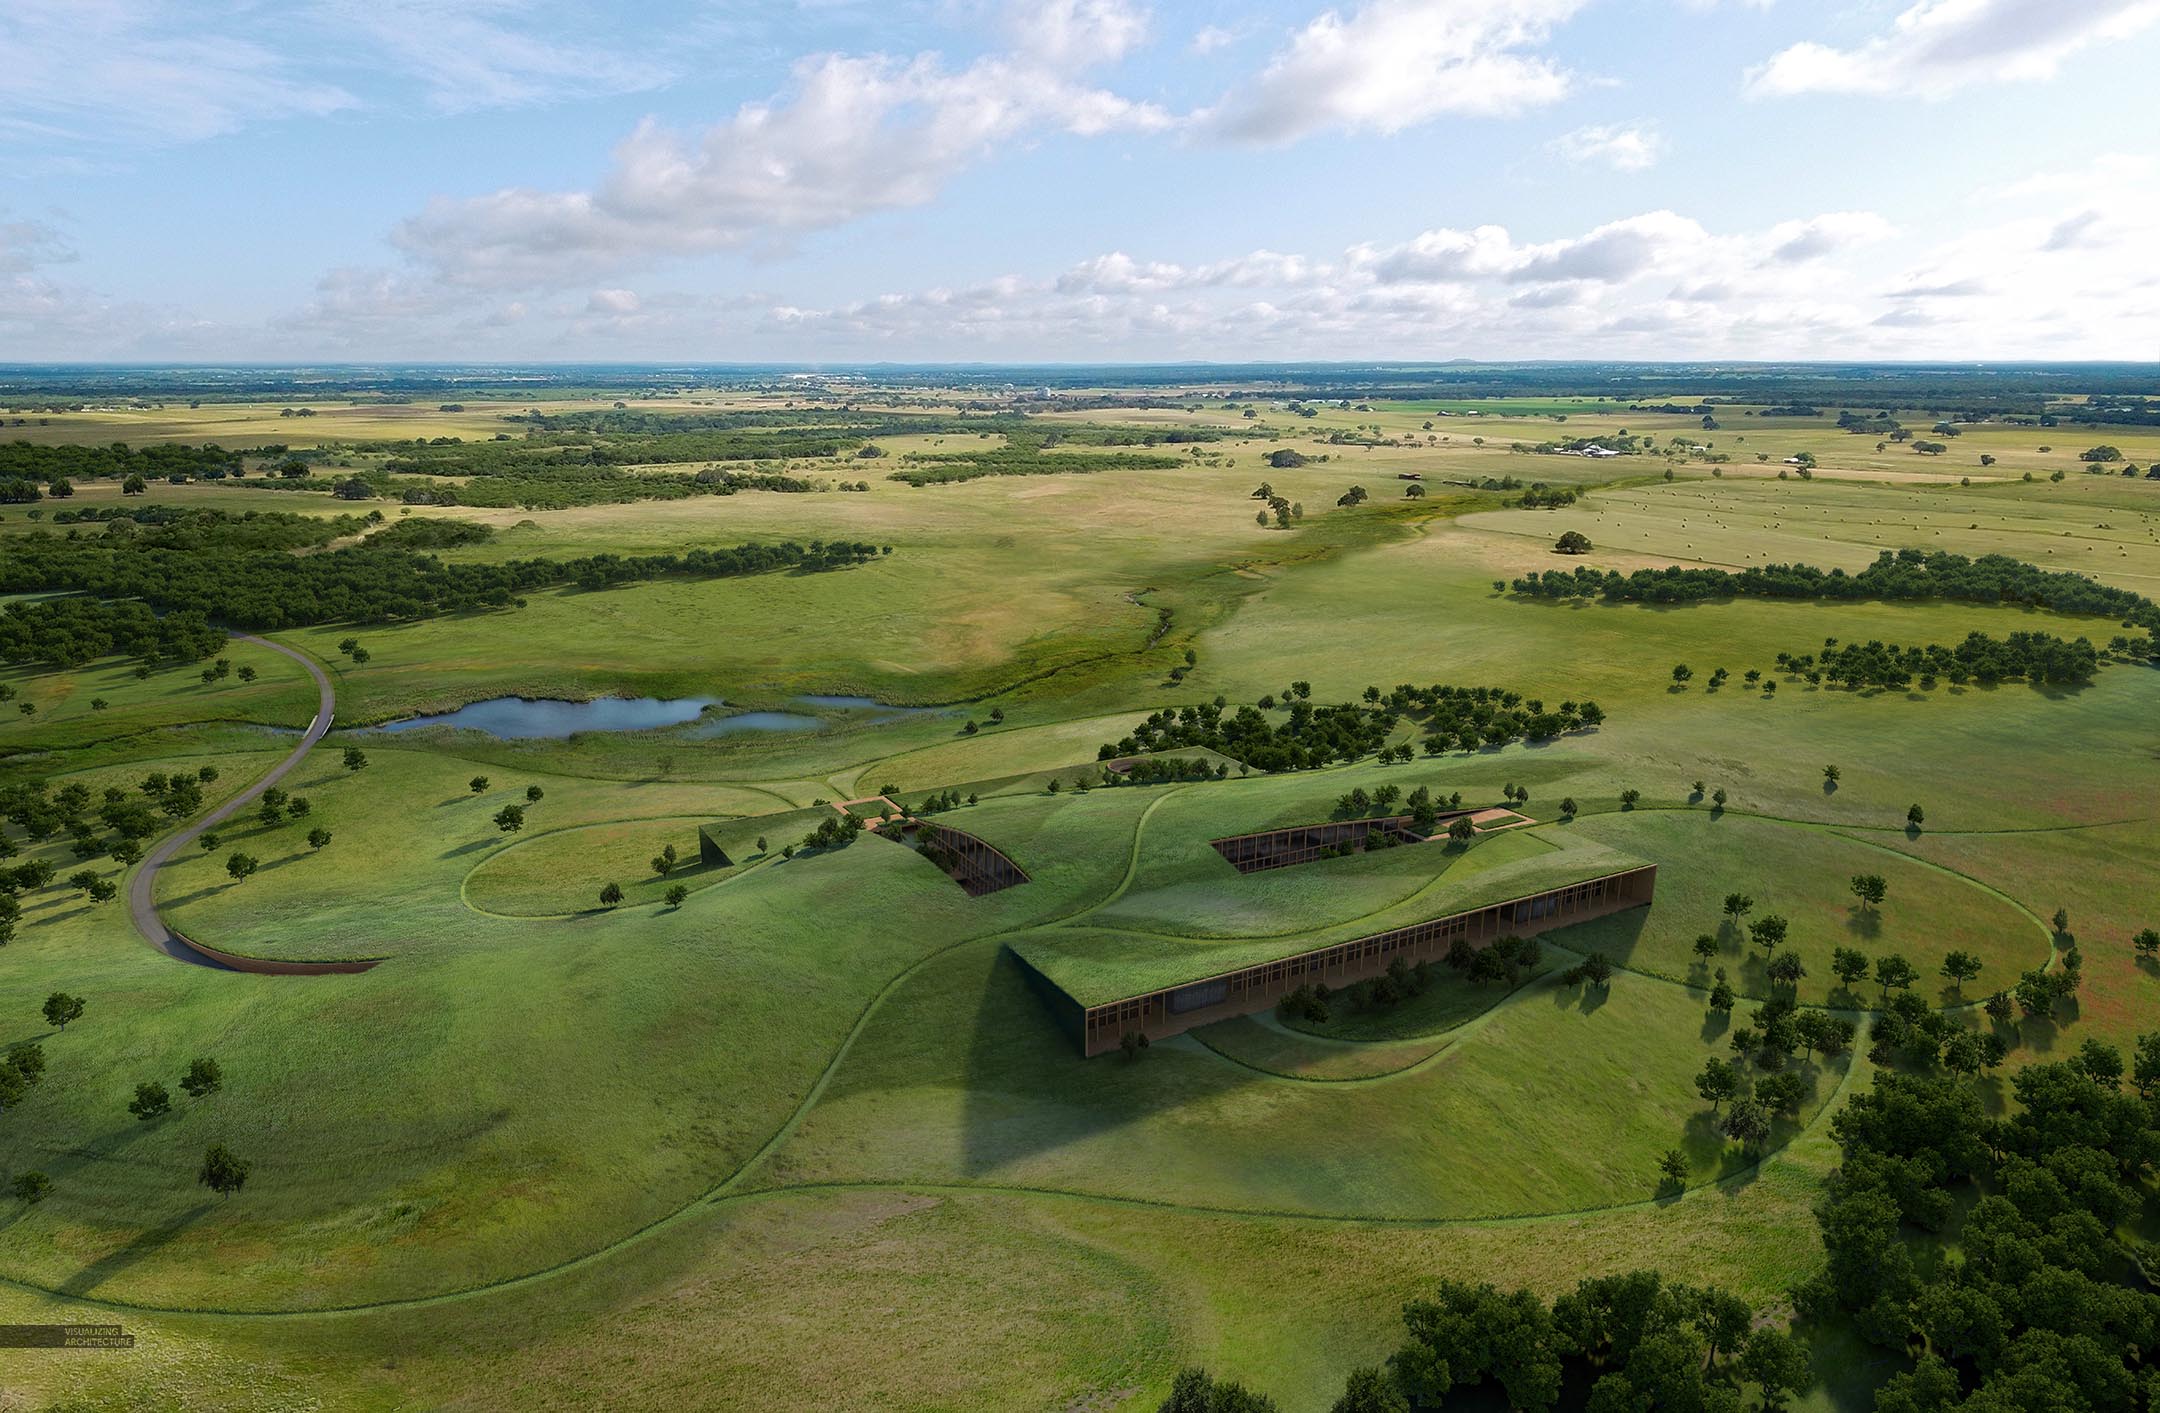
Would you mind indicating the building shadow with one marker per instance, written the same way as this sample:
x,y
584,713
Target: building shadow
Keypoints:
x,y
1029,1091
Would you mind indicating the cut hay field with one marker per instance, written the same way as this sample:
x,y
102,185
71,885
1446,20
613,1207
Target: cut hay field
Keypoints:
x,y
812,1130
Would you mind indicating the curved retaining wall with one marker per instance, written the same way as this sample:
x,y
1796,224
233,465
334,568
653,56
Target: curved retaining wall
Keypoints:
x,y
267,966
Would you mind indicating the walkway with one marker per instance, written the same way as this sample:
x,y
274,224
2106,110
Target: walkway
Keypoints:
x,y
142,889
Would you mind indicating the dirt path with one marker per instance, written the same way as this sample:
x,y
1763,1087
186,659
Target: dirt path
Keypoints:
x,y
142,889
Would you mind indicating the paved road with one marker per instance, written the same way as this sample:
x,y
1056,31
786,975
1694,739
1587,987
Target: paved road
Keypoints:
x,y
142,892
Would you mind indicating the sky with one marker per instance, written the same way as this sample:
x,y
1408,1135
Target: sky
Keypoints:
x,y
841,181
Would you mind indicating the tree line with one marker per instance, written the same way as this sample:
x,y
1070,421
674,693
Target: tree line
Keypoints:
x,y
219,568
1905,574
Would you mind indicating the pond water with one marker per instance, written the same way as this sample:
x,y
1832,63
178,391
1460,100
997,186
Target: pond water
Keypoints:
x,y
523,718
527,718
751,721
860,704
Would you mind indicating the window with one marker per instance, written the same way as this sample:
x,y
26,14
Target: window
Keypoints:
x,y
1199,996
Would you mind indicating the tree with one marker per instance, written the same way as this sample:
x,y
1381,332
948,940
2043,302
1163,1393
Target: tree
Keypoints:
x,y
1960,967
241,865
1746,1124
478,784
1567,807
1597,969
1849,964
355,758
1572,542
151,1100
2147,943
204,1077
1781,1093
1721,996
1133,1043
1870,889
2145,1066
223,1172
676,894
317,837
26,1059
2060,922
510,818
1768,932
1778,1364
1460,830
1830,776
1629,797
533,794
1706,946
1915,817
1681,673
61,1008
1368,1390
1786,968
32,1188
1738,905
1718,1082
1717,798
1673,1168
611,895
664,863
1894,973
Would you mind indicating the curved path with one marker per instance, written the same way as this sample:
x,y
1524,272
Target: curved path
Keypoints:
x,y
737,1188
142,888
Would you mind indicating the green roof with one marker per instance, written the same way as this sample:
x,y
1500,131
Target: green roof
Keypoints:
x,y
1097,965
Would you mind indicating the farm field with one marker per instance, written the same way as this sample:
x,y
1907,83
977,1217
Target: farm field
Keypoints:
x,y
805,1121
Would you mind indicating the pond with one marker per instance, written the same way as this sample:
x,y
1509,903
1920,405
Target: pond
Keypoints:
x,y
524,718
536,719
751,721
860,704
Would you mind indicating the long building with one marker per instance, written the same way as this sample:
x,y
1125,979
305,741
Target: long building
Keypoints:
x,y
1102,984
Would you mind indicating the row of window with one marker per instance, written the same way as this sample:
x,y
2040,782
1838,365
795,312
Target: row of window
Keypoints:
x,y
1280,976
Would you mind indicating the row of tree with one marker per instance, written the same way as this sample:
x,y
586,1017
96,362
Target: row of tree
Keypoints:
x,y
217,567
1903,575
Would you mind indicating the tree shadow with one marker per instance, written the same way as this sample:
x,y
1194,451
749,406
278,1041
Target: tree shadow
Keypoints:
x,y
146,1244
1715,1025
1863,921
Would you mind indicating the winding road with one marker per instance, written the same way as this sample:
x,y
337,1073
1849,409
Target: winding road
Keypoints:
x,y
142,889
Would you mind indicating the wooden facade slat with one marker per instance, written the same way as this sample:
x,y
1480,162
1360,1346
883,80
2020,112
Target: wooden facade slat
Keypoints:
x,y
1165,1012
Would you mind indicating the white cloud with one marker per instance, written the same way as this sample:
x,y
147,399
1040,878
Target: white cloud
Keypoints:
x,y
1210,38
1937,46
1394,64
1082,33
1633,147
857,135
26,245
143,70
1792,242
471,54
2073,232
1618,251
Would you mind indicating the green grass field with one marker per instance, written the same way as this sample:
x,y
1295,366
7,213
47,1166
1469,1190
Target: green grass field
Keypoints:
x,y
811,1130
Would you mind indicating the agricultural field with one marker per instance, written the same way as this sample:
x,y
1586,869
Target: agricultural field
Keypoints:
x,y
671,1084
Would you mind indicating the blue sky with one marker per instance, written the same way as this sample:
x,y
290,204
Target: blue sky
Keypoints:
x,y
1078,179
